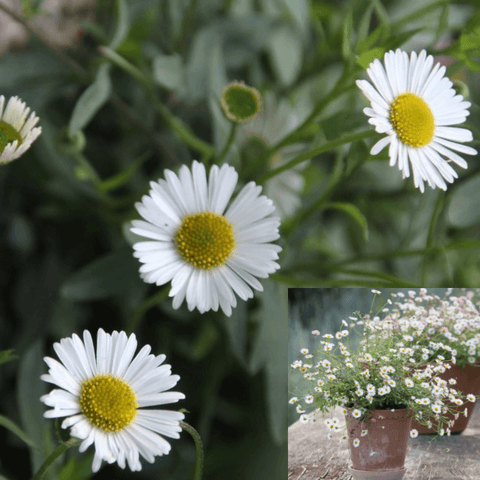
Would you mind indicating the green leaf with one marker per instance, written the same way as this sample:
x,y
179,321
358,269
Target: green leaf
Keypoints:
x,y
7,356
122,26
168,71
110,275
354,213
269,350
91,100
7,423
236,327
77,468
460,212
285,49
364,25
29,390
366,58
347,35
371,39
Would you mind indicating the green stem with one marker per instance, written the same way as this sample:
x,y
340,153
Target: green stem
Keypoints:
x,y
180,128
353,137
335,93
54,455
147,305
199,447
228,143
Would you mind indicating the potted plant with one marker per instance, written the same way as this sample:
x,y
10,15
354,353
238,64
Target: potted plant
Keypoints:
x,y
379,391
448,329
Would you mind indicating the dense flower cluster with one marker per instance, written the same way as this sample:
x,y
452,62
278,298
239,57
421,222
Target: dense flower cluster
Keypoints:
x,y
386,372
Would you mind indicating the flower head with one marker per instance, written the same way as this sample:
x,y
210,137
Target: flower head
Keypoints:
x,y
274,122
414,433
16,132
102,396
239,102
413,104
207,250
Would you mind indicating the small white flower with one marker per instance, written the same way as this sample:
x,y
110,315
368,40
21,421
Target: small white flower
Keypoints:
x,y
293,400
16,132
327,335
309,399
356,442
315,332
304,351
357,413
325,363
359,392
409,382
364,432
102,394
209,250
303,418
471,398
414,433
300,409
465,412
368,357
458,401
329,436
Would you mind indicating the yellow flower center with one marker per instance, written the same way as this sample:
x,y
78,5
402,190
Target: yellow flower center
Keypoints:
x,y
7,135
205,240
412,119
108,402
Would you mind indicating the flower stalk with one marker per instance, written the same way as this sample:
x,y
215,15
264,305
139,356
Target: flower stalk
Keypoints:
x,y
199,448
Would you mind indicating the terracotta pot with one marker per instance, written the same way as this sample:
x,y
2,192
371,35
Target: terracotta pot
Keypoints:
x,y
388,434
468,381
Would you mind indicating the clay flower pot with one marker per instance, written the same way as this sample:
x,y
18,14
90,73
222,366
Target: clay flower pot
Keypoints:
x,y
387,436
468,381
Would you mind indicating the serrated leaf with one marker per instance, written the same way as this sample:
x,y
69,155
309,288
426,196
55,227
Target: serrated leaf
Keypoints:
x,y
353,212
269,350
103,278
15,429
122,25
91,100
168,71
7,356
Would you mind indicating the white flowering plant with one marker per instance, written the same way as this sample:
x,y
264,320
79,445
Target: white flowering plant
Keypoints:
x,y
447,328
382,375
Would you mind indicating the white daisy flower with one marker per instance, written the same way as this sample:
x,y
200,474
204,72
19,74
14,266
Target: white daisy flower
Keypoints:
x,y
207,250
16,132
304,351
309,399
471,398
409,382
102,396
303,418
414,433
300,409
293,400
364,432
270,126
315,332
356,442
356,413
413,104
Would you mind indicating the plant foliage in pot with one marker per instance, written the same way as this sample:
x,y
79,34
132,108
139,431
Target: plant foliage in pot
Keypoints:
x,y
379,391
446,329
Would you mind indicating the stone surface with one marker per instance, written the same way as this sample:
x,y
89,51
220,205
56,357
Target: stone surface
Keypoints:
x,y
311,456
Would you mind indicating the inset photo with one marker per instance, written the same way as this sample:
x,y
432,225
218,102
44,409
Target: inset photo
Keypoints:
x,y
383,383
